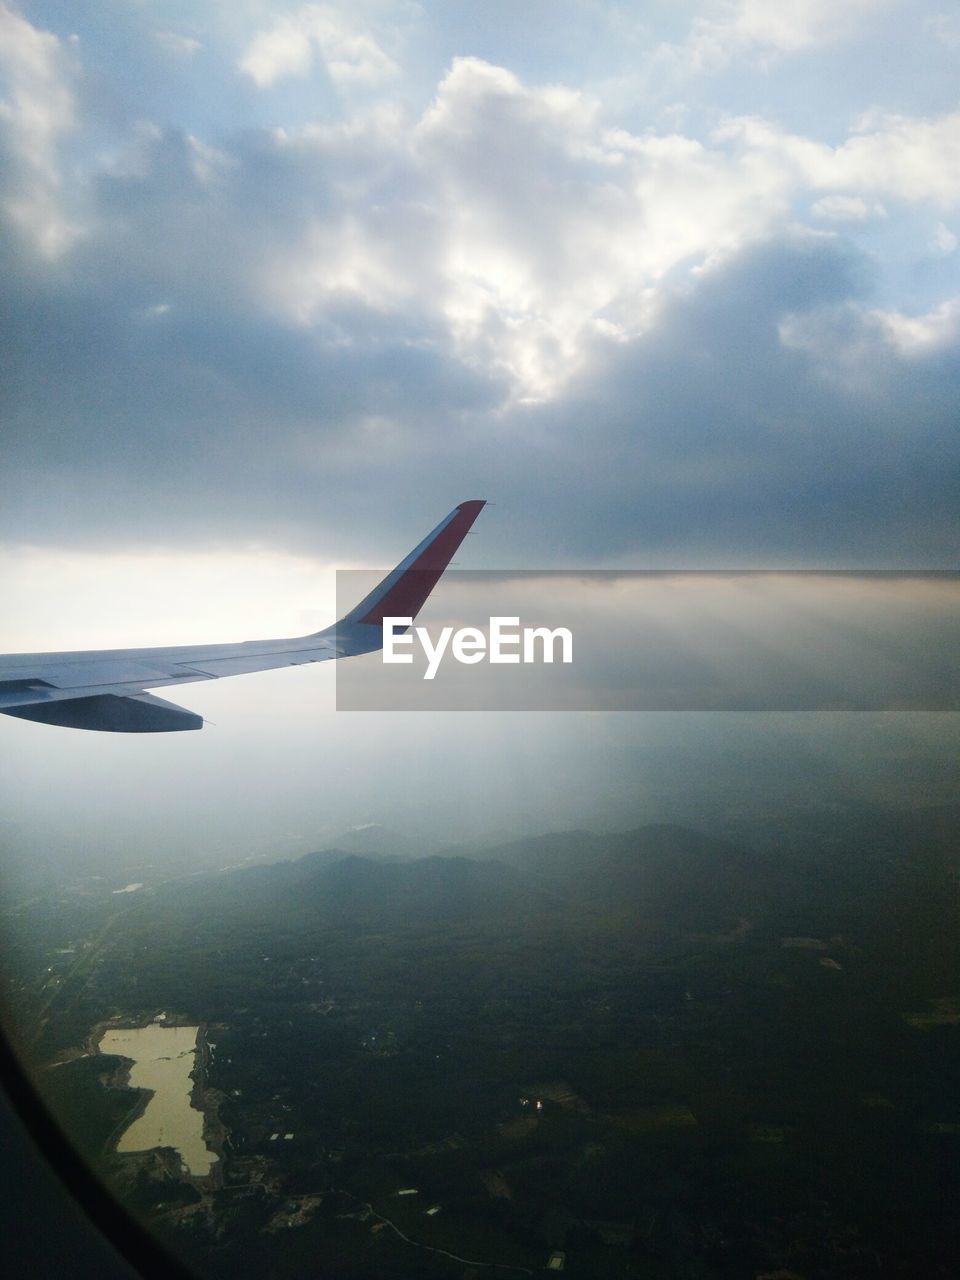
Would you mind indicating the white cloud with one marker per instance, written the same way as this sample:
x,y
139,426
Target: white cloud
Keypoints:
x,y
846,209
763,31
790,25
911,158
945,28
208,164
944,241
357,59
858,348
36,111
921,335
179,45
529,231
284,50
291,45
508,223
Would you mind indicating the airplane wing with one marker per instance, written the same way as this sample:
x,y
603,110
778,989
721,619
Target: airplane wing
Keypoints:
x,y
106,689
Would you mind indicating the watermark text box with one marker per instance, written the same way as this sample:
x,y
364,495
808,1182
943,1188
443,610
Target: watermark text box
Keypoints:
x,y
674,641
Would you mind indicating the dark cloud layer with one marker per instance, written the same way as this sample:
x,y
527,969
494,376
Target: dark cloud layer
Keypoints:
x,y
713,439
286,338
707,439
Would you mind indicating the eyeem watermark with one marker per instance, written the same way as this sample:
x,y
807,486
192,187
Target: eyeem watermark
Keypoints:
x,y
470,645
659,640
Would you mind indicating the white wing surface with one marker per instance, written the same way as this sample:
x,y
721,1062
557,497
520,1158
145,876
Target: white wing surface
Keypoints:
x,y
106,689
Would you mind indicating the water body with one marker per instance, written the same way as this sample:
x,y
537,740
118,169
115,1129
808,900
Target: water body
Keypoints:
x,y
163,1059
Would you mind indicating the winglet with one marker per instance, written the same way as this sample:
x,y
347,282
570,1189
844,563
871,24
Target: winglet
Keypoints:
x,y
403,592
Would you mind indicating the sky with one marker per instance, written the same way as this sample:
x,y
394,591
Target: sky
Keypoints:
x,y
673,285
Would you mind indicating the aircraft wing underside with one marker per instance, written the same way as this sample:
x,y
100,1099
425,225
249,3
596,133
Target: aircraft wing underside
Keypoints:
x,y
107,689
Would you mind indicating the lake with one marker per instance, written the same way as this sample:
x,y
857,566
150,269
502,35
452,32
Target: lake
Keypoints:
x,y
163,1058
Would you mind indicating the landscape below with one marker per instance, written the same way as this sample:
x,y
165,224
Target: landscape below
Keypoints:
x,y
651,1054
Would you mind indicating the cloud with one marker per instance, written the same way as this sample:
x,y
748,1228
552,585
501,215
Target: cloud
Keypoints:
x,y
525,224
506,223
284,50
938,330
770,416
292,44
508,226
790,25
180,45
36,112
528,226
846,209
714,439
907,158
944,240
874,330
761,32
278,333
945,28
